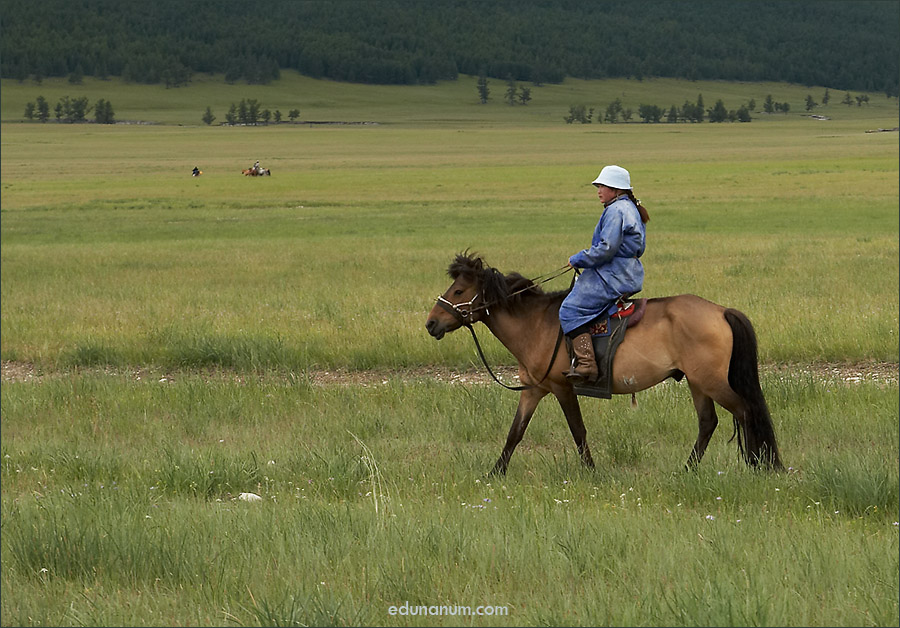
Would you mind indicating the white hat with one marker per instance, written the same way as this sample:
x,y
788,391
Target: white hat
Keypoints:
x,y
614,177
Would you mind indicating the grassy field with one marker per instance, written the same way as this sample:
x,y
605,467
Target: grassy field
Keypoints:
x,y
447,104
177,329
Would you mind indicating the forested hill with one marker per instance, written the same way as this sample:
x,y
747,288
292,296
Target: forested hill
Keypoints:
x,y
847,44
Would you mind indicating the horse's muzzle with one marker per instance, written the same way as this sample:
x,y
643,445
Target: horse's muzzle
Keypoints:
x,y
436,328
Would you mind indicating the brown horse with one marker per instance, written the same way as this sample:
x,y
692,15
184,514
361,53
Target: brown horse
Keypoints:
x,y
713,347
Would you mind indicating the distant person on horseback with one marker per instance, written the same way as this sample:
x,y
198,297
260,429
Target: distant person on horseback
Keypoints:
x,y
611,267
257,168
196,172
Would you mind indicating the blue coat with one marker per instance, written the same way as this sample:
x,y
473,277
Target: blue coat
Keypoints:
x,y
611,268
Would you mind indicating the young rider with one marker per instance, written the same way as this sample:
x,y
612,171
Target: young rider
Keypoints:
x,y
611,267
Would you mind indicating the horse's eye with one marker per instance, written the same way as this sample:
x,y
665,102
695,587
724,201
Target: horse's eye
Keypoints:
x,y
456,293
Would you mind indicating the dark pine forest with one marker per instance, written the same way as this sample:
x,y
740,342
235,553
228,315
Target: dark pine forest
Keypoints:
x,y
844,45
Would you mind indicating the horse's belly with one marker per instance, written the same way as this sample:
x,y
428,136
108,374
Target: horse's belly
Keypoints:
x,y
632,372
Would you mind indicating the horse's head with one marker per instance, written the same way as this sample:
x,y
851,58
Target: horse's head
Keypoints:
x,y
463,303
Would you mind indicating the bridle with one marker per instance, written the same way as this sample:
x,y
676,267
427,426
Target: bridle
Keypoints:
x,y
460,314
463,316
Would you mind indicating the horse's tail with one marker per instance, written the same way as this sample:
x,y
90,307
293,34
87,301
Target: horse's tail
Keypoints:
x,y
756,435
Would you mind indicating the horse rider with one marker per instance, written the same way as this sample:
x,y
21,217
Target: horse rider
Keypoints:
x,y
257,168
611,267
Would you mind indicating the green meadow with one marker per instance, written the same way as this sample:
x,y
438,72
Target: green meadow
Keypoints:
x,y
175,331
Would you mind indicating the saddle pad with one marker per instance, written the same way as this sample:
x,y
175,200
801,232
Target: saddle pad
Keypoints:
x,y
604,351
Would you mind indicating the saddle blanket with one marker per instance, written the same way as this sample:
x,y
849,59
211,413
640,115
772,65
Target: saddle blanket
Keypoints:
x,y
631,310
608,333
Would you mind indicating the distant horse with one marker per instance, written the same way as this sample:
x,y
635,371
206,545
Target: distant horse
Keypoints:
x,y
713,347
253,172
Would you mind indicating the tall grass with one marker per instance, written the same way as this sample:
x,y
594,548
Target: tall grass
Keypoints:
x,y
119,505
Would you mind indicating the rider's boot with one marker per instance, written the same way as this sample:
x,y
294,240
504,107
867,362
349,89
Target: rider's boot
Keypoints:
x,y
584,367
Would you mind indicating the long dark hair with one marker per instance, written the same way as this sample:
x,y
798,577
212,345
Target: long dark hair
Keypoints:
x,y
645,217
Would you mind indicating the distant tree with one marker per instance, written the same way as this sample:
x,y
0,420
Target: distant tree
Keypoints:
x,y
484,91
64,109
650,113
232,74
77,75
277,116
810,103
109,114
579,113
743,114
253,111
698,110
862,99
769,104
627,114
511,89
293,114
43,109
826,97
175,74
751,106
524,95
103,112
75,109
673,114
613,110
718,113
208,116
99,111
243,112
848,99
29,111
58,110
266,115
231,116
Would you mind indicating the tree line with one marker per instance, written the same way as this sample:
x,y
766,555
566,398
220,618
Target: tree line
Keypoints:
x,y
842,45
688,112
695,111
71,110
249,112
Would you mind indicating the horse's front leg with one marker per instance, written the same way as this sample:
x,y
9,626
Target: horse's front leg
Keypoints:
x,y
568,400
528,401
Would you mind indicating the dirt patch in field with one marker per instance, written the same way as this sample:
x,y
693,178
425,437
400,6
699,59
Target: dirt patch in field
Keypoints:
x,y
880,372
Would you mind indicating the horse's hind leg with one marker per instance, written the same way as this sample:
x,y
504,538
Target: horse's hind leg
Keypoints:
x,y
707,419
568,400
528,402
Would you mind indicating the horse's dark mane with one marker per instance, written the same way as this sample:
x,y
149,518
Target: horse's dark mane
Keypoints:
x,y
509,292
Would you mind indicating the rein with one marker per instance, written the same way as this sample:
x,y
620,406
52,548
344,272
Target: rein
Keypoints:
x,y
463,317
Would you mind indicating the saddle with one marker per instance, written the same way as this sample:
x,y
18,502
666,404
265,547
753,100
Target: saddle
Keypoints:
x,y
608,332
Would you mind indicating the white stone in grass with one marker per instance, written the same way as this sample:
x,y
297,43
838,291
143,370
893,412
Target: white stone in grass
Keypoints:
x,y
249,497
